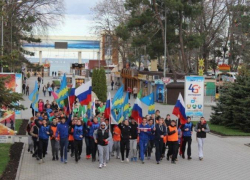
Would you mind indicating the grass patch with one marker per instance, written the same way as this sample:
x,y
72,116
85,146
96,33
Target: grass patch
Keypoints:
x,y
18,123
225,131
4,156
57,83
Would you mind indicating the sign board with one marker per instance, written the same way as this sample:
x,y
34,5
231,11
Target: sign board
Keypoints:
x,y
7,116
166,80
224,67
194,96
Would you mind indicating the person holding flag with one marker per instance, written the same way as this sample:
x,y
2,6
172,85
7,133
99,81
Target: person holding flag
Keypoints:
x,y
187,130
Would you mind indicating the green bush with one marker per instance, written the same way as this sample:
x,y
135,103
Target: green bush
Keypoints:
x,y
57,83
28,75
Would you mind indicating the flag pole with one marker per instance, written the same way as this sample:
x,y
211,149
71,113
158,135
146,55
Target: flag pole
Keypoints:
x,y
69,105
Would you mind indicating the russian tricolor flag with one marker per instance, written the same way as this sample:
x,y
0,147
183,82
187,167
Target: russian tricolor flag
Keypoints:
x,y
83,93
137,111
107,108
179,109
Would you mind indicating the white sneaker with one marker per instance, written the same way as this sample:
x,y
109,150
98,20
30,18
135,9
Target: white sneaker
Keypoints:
x,y
100,166
40,161
122,161
127,159
104,164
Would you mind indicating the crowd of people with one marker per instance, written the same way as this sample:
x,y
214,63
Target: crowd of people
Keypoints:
x,y
49,87
127,141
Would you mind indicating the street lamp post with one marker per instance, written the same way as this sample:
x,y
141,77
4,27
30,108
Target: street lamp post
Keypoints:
x,y
165,45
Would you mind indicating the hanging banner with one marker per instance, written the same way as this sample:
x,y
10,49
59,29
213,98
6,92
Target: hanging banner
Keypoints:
x,y
194,96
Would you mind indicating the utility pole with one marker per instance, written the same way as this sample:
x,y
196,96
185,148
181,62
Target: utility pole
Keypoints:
x,y
165,45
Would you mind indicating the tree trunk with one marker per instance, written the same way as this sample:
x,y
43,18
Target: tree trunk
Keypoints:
x,y
163,39
184,61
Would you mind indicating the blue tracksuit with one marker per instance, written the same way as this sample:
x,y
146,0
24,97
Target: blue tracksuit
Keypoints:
x,y
190,129
93,128
78,131
42,134
151,135
144,137
63,131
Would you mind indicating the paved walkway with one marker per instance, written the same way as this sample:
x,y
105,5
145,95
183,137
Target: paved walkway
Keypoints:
x,y
224,158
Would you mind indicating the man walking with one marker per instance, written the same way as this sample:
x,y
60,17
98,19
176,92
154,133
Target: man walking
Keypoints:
x,y
102,136
187,130
202,129
159,132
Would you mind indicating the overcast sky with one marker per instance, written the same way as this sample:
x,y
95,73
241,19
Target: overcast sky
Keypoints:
x,y
78,19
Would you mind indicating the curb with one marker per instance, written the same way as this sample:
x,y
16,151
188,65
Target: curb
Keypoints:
x,y
220,136
20,164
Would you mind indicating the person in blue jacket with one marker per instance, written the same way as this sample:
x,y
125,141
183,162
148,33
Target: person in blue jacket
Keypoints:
x,y
144,131
79,133
44,134
187,130
93,126
87,142
151,139
63,132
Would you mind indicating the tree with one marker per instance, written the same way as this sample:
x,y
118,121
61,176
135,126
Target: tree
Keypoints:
x,y
103,86
99,84
108,15
22,21
210,25
232,108
8,98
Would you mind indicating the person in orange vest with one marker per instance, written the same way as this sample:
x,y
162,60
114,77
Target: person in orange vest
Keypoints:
x,y
172,141
53,141
117,139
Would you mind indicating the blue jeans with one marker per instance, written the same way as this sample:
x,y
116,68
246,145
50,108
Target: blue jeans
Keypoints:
x,y
64,147
143,147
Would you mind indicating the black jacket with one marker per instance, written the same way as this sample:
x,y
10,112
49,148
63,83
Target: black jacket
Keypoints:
x,y
168,122
125,131
159,131
134,131
202,134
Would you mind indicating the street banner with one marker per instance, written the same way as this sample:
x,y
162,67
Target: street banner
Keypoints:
x,y
7,116
194,96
